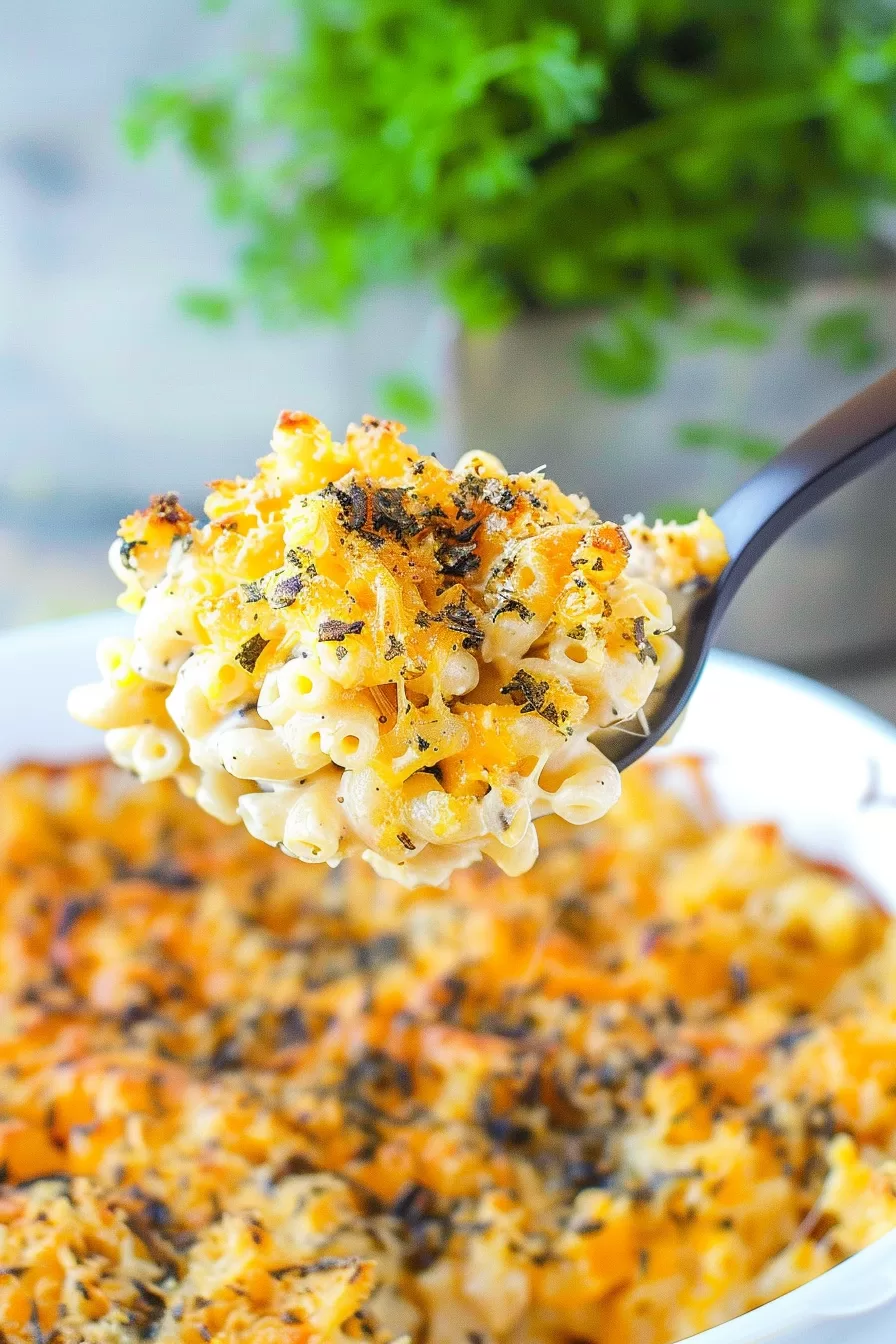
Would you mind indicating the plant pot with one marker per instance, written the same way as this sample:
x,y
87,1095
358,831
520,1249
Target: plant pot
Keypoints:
x,y
827,592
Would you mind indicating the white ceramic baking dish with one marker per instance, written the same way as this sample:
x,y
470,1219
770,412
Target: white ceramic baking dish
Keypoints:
x,y
778,747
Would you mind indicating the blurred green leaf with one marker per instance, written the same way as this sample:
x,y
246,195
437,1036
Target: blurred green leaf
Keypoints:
x,y
140,126
848,337
483,299
736,329
405,397
706,435
675,511
530,156
836,217
207,306
202,122
624,359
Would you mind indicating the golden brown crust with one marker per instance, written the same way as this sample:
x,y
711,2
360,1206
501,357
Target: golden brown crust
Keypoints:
x,y
597,1102
464,633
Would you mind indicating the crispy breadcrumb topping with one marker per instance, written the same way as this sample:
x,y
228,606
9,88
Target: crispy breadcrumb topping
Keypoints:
x,y
420,659
625,1097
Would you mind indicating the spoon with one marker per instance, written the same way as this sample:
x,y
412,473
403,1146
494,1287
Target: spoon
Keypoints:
x,y
833,452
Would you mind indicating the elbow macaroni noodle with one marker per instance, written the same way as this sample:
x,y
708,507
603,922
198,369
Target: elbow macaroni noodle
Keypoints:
x,y
364,651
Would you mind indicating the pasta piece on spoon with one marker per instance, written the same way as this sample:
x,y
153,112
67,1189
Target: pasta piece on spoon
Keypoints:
x,y
365,651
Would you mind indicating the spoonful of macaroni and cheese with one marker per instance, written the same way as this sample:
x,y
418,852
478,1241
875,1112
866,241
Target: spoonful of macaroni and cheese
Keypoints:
x,y
364,651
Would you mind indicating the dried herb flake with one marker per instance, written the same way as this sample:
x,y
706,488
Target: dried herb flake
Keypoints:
x,y
643,645
126,551
513,604
461,618
333,631
286,590
251,651
389,514
531,695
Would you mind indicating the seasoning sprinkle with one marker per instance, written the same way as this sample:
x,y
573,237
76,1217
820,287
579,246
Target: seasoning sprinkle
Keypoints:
x,y
250,652
333,631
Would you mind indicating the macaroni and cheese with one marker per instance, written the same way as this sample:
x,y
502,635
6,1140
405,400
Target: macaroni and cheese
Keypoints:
x,y
364,651
648,1085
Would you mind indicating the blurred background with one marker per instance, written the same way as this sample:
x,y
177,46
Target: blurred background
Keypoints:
x,y
644,243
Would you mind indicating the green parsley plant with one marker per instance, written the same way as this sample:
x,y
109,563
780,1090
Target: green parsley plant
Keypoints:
x,y
549,154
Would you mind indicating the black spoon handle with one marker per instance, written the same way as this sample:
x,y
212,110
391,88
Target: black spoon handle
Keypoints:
x,y
833,452
856,436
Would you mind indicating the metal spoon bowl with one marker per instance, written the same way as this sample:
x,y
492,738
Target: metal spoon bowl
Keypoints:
x,y
834,451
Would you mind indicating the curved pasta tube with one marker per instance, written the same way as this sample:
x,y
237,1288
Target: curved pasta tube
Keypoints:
x,y
352,739
165,631
381,815
103,705
508,638
480,463
588,795
315,823
526,588
223,684
219,794
579,784
254,753
506,815
264,814
432,868
460,674
448,678
302,735
670,655
188,704
300,686
437,818
347,662
113,658
581,664
151,753
517,859
622,687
